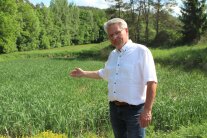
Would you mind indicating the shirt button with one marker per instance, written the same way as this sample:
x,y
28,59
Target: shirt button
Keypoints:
x,y
118,65
114,82
114,92
116,73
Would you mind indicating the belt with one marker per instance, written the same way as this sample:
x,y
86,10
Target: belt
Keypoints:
x,y
117,103
122,104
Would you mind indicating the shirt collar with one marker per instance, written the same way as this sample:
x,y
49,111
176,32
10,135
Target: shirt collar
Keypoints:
x,y
125,47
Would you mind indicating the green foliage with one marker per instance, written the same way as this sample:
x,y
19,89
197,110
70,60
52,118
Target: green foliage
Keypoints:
x,y
203,39
28,27
40,27
44,42
188,58
75,21
194,18
29,23
99,17
9,27
166,39
46,27
85,26
62,22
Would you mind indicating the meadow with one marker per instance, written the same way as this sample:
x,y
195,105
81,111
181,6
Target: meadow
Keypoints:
x,y
38,96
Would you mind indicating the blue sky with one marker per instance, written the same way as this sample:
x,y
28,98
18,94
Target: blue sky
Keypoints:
x,y
93,3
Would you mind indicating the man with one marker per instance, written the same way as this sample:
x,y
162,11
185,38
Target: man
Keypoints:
x,y
132,82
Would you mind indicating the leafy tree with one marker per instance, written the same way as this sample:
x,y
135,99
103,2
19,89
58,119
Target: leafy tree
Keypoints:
x,y
29,23
62,22
194,18
161,7
75,21
46,25
85,26
99,17
9,27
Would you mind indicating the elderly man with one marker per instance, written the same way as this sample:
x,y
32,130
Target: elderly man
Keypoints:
x,y
132,82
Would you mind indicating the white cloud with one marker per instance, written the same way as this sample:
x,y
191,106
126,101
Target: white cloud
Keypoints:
x,y
102,4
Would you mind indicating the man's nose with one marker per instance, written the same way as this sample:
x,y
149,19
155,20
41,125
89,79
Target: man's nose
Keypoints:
x,y
114,36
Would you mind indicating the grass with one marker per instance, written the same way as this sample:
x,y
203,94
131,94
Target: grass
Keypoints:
x,y
78,51
193,131
187,57
181,98
38,97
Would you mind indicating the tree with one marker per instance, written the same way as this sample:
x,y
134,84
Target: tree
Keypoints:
x,y
161,6
62,22
9,27
99,17
28,38
194,18
118,5
46,26
85,26
75,21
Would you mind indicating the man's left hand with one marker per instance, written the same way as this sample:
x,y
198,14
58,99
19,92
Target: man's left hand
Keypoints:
x,y
145,119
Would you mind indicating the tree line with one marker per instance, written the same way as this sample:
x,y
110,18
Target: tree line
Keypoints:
x,y
24,26
151,21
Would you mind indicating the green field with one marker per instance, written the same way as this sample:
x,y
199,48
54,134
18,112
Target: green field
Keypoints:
x,y
37,95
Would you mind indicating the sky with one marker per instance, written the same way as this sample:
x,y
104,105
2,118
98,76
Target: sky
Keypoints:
x,y
102,4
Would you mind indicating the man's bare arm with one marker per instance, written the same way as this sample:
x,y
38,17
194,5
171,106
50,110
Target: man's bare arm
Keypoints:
x,y
78,72
146,115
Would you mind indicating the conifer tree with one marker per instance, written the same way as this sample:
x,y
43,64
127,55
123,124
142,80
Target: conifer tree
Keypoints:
x,y
194,18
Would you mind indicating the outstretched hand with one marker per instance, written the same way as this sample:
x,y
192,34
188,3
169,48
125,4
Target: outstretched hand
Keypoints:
x,y
77,72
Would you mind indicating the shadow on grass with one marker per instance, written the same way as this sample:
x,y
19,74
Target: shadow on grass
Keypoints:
x,y
101,55
188,60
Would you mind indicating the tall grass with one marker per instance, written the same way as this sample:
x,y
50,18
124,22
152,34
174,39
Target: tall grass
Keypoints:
x,y
187,57
77,51
181,99
37,95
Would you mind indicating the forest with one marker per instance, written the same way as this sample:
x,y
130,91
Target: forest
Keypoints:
x,y
25,27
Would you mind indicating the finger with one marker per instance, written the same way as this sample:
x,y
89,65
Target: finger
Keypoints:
x,y
144,121
73,73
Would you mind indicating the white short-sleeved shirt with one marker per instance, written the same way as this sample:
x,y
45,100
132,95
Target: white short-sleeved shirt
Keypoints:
x,y
127,72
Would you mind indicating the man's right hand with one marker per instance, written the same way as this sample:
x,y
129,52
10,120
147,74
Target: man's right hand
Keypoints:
x,y
77,72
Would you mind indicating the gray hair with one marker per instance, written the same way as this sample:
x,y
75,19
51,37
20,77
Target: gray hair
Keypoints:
x,y
120,21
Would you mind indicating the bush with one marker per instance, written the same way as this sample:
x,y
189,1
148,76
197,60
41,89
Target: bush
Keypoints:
x,y
166,39
203,39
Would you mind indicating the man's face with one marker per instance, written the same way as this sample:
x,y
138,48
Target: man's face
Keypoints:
x,y
117,35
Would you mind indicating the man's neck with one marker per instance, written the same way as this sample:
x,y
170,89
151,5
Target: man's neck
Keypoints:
x,y
120,47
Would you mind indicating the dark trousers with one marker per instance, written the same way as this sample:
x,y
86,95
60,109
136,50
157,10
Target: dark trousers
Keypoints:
x,y
124,120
